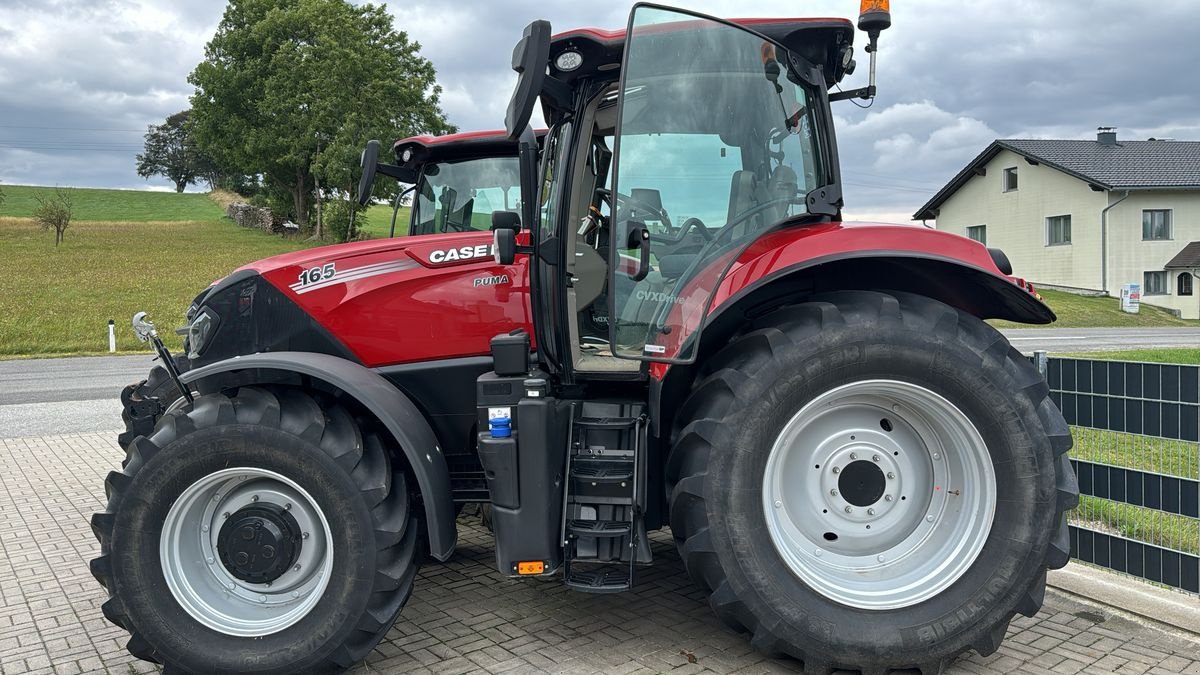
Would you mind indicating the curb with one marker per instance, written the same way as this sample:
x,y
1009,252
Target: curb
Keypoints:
x,y
1157,605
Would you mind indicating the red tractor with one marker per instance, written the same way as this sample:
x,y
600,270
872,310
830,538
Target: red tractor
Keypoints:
x,y
673,328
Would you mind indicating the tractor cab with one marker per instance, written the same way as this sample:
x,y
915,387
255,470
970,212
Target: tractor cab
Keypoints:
x,y
673,145
455,181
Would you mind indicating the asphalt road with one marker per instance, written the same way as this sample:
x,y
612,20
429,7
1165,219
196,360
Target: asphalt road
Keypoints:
x,y
1097,339
40,397
78,395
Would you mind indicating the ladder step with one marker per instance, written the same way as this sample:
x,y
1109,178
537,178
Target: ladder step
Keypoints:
x,y
608,578
622,471
606,422
598,528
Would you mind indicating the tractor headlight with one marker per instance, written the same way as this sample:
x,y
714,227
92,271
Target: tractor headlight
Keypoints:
x,y
199,331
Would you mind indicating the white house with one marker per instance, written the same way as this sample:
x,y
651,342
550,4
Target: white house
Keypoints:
x,y
1087,215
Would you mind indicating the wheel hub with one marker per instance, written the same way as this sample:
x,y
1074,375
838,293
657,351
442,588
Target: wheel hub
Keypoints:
x,y
259,543
862,483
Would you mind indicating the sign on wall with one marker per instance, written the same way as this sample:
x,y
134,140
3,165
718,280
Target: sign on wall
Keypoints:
x,y
1131,298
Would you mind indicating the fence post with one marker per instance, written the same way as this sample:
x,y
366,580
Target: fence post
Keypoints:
x,y
1042,362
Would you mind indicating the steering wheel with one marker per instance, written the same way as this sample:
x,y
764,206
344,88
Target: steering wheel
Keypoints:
x,y
625,202
697,225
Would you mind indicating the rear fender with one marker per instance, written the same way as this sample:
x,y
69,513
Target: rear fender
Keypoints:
x,y
383,400
969,287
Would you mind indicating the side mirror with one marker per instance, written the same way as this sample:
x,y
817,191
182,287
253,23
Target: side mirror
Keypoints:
x,y
504,245
369,162
506,220
529,60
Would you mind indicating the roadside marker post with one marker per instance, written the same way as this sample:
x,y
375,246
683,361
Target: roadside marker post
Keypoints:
x,y
112,336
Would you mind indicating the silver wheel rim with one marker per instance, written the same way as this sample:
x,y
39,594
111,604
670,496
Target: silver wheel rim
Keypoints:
x,y
861,544
202,585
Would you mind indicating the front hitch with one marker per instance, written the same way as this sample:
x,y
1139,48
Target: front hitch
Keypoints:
x,y
146,332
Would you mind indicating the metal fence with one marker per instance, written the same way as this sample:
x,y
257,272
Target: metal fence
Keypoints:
x,y
1137,456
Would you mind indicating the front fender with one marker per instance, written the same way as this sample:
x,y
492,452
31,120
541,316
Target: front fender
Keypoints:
x,y
389,405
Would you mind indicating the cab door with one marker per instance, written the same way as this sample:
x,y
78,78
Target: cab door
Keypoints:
x,y
716,127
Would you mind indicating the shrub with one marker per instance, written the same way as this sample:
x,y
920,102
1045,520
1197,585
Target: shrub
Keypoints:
x,y
54,213
337,217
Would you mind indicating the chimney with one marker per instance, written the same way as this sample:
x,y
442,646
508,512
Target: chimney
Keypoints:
x,y
1106,135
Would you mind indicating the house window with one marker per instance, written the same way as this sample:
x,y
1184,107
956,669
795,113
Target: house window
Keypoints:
x,y
978,233
1058,230
1156,224
1154,283
1010,179
1185,283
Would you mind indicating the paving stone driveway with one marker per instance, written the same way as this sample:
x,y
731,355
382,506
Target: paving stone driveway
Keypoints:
x,y
463,617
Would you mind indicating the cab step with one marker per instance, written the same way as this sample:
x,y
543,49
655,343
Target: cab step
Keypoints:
x,y
599,577
609,472
614,423
598,528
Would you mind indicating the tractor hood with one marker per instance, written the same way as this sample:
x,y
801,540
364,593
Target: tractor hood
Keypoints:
x,y
419,249
378,302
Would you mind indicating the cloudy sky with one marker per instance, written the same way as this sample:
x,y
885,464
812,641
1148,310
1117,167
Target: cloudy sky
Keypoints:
x,y
81,79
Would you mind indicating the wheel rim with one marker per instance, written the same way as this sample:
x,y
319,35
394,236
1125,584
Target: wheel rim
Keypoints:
x,y
879,494
202,570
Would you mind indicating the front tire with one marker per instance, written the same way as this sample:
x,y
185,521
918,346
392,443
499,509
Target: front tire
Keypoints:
x,y
906,398
330,551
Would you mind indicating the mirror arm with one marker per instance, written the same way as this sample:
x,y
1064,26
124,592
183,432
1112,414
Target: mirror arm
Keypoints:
x,y
558,92
402,174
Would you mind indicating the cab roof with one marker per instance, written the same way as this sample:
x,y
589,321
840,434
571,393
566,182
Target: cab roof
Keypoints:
x,y
816,39
455,147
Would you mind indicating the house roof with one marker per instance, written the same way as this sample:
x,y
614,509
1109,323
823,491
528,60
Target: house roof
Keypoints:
x,y
1124,165
1188,258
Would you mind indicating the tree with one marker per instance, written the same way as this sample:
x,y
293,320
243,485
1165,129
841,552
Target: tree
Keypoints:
x,y
1,197
54,213
171,152
292,89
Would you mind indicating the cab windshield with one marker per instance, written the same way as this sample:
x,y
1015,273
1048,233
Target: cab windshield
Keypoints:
x,y
717,143
461,196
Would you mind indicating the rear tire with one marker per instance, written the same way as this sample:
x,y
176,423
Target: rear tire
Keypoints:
x,y
355,563
781,590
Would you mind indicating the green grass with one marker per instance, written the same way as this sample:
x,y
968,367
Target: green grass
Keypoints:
x,y
115,205
1078,311
379,221
1140,524
1179,355
59,301
1132,451
1144,453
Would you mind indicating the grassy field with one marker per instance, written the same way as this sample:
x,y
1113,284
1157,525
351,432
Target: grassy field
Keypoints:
x,y
115,205
379,221
59,301
1077,311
